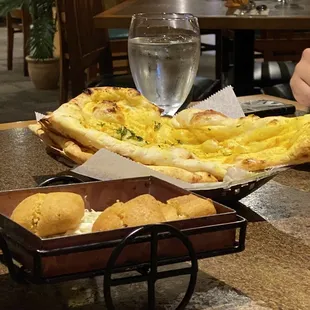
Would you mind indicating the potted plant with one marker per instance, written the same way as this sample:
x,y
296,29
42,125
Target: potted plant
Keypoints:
x,y
43,67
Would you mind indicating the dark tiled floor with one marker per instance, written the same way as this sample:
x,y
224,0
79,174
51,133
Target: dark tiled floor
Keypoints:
x,y
18,97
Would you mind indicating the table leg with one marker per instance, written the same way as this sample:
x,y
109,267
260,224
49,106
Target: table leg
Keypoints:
x,y
244,62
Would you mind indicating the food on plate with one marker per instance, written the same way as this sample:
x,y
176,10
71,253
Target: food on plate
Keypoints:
x,y
141,210
170,212
64,213
86,223
185,175
50,214
192,206
196,146
63,145
110,221
145,209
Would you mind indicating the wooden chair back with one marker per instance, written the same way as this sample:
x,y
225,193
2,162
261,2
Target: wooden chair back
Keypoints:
x,y
119,47
81,43
110,3
17,13
18,20
282,45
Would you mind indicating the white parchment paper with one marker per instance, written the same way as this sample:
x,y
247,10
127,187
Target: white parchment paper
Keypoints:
x,y
224,101
105,165
39,116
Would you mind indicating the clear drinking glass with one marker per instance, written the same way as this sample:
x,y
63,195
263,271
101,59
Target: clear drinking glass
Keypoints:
x,y
164,53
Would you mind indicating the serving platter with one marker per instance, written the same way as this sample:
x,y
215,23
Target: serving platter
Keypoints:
x,y
67,257
221,192
181,169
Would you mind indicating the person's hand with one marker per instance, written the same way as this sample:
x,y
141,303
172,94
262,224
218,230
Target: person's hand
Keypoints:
x,y
300,82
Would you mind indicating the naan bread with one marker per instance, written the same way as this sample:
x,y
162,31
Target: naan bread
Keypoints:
x,y
195,145
184,175
63,145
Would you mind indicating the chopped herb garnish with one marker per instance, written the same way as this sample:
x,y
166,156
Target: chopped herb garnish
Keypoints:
x,y
134,136
209,129
122,131
157,126
238,125
101,124
179,141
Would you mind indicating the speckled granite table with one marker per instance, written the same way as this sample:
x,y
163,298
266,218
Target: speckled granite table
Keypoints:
x,y
272,273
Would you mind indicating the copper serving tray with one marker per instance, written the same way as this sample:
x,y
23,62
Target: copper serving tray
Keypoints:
x,y
61,256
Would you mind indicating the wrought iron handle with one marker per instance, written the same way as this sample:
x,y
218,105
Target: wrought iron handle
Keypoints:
x,y
151,275
7,259
60,179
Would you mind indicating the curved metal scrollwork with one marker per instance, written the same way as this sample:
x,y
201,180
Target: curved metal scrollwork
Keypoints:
x,y
151,274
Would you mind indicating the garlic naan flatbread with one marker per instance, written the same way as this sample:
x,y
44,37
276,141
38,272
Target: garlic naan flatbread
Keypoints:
x,y
202,144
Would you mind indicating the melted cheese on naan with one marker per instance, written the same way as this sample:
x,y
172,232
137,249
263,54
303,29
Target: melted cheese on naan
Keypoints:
x,y
124,122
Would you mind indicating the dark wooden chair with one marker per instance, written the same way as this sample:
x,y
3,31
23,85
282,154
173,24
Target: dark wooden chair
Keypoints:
x,y
82,47
85,51
276,53
280,45
217,47
279,50
17,21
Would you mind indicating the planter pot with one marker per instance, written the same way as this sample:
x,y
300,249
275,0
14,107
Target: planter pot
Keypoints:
x,y
44,73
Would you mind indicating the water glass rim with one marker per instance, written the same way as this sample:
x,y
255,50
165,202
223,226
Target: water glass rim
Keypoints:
x,y
165,16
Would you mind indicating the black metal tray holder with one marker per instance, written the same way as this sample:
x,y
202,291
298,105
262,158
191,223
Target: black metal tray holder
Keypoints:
x,y
221,195
146,272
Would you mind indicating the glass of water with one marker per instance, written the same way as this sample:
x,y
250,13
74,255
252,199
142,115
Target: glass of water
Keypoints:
x,y
164,53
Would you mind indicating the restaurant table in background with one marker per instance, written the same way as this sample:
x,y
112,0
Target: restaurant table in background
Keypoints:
x,y
213,14
272,273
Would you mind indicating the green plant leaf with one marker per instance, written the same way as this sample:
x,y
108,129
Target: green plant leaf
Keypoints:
x,y
41,41
6,6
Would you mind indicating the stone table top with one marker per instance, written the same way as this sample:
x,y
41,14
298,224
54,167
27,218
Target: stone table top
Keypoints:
x,y
272,273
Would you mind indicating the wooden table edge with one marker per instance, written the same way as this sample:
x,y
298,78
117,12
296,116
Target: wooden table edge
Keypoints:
x,y
108,20
20,124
